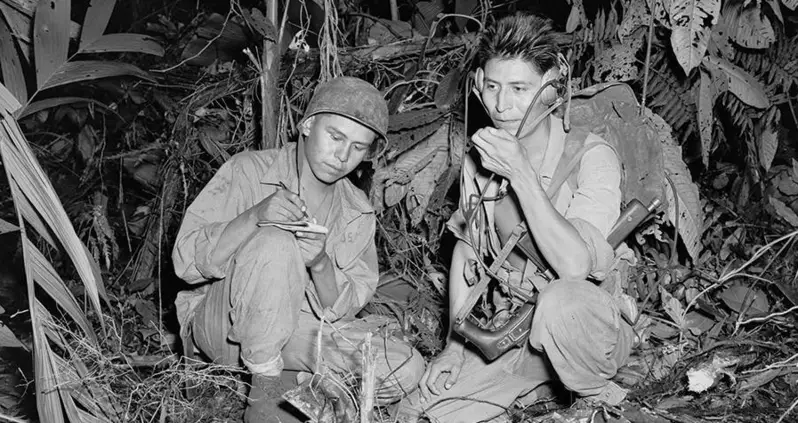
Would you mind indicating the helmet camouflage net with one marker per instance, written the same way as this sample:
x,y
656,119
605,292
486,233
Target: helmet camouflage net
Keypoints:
x,y
353,98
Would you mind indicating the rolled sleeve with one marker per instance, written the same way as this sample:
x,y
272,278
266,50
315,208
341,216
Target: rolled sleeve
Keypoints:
x,y
595,206
205,220
356,270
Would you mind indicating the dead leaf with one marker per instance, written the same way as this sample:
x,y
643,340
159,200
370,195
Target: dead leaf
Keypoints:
x,y
448,89
734,239
762,378
147,311
768,144
742,298
87,141
698,323
784,212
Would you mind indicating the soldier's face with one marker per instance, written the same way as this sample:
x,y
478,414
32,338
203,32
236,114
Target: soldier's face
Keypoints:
x,y
335,145
507,87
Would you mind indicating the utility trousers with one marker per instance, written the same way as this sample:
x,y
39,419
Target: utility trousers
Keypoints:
x,y
258,315
578,336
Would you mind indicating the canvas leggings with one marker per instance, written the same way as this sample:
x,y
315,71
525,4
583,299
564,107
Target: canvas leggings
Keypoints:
x,y
577,336
255,316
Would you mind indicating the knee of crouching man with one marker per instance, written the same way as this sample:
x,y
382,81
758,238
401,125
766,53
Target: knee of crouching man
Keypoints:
x,y
559,298
401,378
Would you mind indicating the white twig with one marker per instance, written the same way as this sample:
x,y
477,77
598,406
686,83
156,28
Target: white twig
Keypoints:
x,y
776,365
738,271
764,318
368,374
794,403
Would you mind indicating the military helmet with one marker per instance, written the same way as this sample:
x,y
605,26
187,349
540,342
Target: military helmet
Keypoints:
x,y
353,98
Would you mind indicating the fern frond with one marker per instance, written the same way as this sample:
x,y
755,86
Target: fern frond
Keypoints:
x,y
671,96
776,67
740,114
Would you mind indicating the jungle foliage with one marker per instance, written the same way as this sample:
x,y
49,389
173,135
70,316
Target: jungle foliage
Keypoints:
x,y
108,133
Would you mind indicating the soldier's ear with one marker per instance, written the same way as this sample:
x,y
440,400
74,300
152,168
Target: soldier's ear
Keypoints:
x,y
304,127
479,80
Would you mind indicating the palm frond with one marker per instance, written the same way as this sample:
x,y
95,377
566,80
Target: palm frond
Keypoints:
x,y
39,211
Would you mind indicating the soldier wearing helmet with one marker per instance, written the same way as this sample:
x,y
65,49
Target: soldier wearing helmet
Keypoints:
x,y
261,288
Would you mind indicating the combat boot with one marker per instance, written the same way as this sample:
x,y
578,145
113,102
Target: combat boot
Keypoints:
x,y
263,399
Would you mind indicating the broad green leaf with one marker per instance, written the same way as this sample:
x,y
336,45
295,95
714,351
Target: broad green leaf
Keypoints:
x,y
706,102
124,43
697,323
10,66
691,23
636,14
40,105
576,18
768,143
753,29
87,70
8,102
690,216
742,84
790,4
96,20
720,41
673,308
743,298
260,23
50,37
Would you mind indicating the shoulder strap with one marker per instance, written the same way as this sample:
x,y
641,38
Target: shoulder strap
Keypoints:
x,y
573,150
567,168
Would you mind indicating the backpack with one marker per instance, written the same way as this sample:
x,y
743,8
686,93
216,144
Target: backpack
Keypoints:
x,y
611,111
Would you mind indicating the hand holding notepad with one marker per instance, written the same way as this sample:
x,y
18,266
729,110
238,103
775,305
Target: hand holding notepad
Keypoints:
x,y
300,226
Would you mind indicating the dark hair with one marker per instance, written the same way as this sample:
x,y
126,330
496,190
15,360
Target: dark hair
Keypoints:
x,y
520,36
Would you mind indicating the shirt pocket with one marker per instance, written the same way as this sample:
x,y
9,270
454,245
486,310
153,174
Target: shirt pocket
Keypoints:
x,y
347,246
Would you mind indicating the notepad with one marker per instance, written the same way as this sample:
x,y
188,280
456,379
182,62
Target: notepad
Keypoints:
x,y
300,226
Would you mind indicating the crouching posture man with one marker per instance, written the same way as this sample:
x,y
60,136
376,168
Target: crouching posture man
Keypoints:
x,y
577,334
263,290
